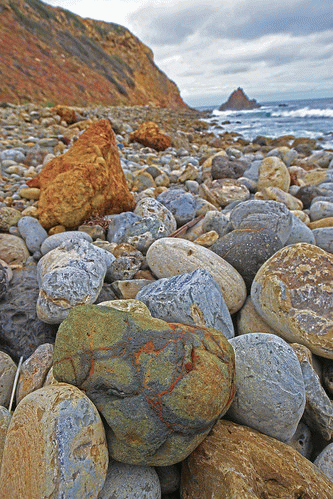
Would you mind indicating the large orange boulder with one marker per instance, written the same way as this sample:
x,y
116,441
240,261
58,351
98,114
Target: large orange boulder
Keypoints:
x,y
149,135
85,181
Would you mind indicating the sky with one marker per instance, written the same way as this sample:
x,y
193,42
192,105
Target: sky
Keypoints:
x,y
275,51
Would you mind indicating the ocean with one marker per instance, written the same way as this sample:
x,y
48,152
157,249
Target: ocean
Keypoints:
x,y
311,118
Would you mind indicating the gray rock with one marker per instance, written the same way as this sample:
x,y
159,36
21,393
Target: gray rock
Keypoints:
x,y
71,274
252,172
302,440
215,220
307,193
324,461
318,413
321,209
21,332
13,155
182,204
192,298
247,249
324,238
3,281
270,393
56,240
32,232
150,207
144,232
169,477
7,374
300,233
119,224
127,481
225,167
289,157
123,268
257,214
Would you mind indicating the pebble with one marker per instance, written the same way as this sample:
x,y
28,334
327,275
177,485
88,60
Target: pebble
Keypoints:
x,y
324,461
13,249
324,238
32,232
56,240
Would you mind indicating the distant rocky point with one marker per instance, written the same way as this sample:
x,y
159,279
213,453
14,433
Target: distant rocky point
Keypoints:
x,y
238,101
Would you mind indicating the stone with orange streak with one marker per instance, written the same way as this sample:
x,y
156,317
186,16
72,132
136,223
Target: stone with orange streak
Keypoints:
x,y
160,386
55,446
149,135
85,181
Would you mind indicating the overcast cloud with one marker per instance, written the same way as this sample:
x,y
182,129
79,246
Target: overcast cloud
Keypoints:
x,y
277,51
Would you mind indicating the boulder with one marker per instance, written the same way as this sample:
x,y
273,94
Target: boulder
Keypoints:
x,y
87,180
237,462
149,135
160,387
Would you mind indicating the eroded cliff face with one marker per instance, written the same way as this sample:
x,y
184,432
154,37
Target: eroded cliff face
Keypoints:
x,y
51,56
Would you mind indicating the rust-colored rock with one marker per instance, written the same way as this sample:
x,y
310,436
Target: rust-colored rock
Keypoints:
x,y
149,135
66,113
85,181
237,462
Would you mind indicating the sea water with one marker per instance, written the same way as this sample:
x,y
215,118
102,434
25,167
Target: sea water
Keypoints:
x,y
312,118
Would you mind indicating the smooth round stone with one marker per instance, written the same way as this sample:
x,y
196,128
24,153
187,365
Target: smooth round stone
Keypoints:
x,y
150,207
192,298
32,232
7,374
281,196
159,386
13,249
270,393
119,224
8,218
324,461
300,233
29,193
182,204
169,256
5,417
226,191
247,249
273,173
225,167
293,293
257,214
321,209
56,240
127,481
324,238
55,446
13,155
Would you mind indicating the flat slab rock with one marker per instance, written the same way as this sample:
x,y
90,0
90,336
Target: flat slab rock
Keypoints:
x,y
293,292
159,386
237,462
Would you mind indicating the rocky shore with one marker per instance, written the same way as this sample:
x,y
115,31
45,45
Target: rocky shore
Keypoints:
x,y
170,293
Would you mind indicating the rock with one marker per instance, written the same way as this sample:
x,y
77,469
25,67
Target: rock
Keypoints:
x,y
323,222
8,218
169,478
324,461
150,207
34,371
249,321
328,376
32,232
207,239
126,481
193,298
321,209
66,113
70,275
182,204
238,101
270,393
247,249
293,292
300,233
302,440
217,221
128,289
324,238
318,412
123,268
55,446
273,173
56,240
7,374
307,194
224,191
3,281
142,233
21,332
280,196
29,193
225,167
85,181
142,180
144,376
149,135
236,461
5,417
168,257
119,224
13,249
256,214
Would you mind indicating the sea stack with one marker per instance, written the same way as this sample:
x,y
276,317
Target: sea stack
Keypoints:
x,y
238,101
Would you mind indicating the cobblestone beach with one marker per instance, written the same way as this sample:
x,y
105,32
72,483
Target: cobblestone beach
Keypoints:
x,y
169,293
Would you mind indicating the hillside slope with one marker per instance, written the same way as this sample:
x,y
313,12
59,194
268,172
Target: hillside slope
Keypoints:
x,y
51,56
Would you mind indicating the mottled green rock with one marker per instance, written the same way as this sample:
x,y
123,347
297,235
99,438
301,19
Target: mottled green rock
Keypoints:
x,y
159,386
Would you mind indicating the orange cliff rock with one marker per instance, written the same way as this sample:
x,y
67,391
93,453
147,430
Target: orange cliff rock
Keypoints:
x,y
238,101
85,181
51,56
